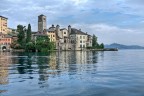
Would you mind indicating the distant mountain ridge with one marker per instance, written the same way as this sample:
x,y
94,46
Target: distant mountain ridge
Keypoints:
x,y
121,46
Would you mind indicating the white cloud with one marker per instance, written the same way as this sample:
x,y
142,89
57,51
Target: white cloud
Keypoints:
x,y
109,34
78,2
83,14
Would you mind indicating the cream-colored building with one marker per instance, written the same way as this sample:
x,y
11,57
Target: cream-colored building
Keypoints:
x,y
64,32
59,36
11,31
51,33
3,25
65,39
78,39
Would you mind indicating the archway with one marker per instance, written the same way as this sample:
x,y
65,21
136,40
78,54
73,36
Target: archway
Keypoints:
x,y
4,48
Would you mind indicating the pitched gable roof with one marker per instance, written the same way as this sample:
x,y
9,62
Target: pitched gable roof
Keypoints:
x,y
76,31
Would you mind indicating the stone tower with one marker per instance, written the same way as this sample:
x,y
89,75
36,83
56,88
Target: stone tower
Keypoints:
x,y
59,33
69,29
41,23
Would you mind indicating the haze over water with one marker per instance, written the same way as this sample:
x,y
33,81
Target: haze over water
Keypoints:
x,y
80,73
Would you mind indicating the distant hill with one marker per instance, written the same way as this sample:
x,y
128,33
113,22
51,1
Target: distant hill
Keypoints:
x,y
121,46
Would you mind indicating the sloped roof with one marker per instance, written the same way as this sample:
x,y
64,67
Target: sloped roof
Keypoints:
x,y
76,31
40,34
8,36
50,30
63,29
3,17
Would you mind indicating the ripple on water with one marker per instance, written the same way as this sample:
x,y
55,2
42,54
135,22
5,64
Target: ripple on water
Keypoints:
x,y
69,73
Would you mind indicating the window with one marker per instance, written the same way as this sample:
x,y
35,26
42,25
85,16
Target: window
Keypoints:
x,y
80,46
80,37
64,41
83,37
53,36
80,41
64,32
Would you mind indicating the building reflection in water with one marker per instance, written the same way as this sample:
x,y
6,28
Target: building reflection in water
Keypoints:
x,y
77,61
46,65
5,61
56,62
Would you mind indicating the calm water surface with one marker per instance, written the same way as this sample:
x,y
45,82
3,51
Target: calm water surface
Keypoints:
x,y
72,73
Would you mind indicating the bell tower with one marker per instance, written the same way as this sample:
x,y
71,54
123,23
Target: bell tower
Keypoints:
x,y
41,23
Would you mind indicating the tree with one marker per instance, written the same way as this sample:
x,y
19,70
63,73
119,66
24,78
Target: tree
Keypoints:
x,y
43,44
101,46
21,35
94,42
28,35
30,46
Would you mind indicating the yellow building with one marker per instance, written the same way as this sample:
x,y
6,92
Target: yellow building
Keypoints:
x,y
3,25
52,36
51,33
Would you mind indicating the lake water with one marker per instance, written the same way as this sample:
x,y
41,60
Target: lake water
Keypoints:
x,y
109,73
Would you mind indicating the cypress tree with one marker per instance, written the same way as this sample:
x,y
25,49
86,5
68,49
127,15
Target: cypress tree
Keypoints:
x,y
28,35
94,42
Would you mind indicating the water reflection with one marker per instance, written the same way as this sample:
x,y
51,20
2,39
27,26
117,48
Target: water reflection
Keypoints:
x,y
42,66
4,72
69,73
28,63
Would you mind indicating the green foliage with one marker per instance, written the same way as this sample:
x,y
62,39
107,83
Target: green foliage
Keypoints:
x,y
95,44
30,46
28,35
43,44
89,47
101,46
94,40
21,35
14,45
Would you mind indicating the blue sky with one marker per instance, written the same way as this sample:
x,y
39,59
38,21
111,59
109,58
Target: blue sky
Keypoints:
x,y
112,21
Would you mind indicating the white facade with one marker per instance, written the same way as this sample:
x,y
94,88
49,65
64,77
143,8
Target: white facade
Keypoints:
x,y
64,32
80,40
